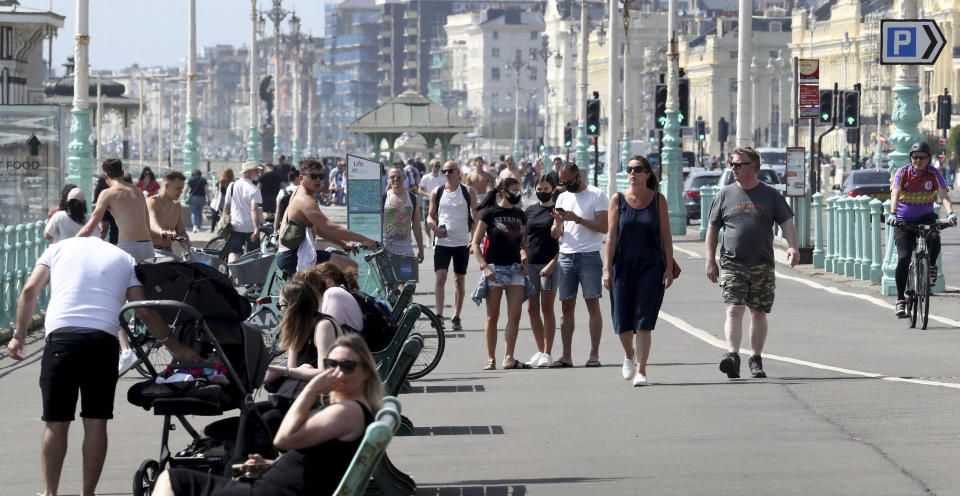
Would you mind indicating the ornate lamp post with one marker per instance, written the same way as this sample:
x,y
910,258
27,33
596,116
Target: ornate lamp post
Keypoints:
x,y
626,122
845,46
310,54
516,65
295,40
671,131
80,159
544,54
253,138
190,155
277,14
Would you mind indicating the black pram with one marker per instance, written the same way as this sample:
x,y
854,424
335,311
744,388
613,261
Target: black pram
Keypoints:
x,y
201,306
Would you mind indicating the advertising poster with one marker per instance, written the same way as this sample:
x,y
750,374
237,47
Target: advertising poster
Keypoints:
x,y
809,105
796,171
364,197
31,174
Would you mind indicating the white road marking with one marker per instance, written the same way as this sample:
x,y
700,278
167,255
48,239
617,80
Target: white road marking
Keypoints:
x,y
708,338
690,253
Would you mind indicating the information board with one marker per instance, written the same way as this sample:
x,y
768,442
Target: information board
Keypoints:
x,y
31,174
364,197
796,171
809,104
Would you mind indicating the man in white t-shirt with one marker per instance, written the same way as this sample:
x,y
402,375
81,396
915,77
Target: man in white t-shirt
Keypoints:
x,y
89,281
579,222
243,204
428,184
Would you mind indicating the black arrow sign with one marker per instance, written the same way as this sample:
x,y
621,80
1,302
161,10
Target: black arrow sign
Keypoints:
x,y
34,144
933,41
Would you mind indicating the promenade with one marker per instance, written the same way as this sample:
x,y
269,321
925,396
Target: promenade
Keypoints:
x,y
855,404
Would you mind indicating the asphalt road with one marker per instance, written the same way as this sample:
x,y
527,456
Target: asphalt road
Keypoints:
x,y
855,404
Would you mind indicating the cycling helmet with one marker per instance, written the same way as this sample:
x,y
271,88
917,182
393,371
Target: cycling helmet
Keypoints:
x,y
921,146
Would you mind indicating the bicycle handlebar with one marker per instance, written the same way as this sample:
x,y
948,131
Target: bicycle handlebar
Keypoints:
x,y
919,226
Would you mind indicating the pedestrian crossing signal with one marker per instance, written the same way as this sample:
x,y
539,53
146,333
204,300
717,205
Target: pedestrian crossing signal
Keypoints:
x,y
826,106
653,136
567,136
593,117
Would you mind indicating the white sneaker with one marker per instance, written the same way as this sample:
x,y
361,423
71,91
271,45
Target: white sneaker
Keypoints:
x,y
545,360
195,229
128,360
535,359
639,380
629,368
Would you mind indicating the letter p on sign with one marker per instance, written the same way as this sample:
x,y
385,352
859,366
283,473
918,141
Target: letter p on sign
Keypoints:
x,y
902,42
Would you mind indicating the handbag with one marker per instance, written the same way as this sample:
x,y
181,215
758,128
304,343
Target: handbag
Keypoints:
x,y
294,231
224,226
676,266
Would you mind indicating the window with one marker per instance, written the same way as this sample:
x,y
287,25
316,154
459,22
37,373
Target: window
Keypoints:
x,y
495,52
495,35
776,27
495,73
494,101
533,72
533,35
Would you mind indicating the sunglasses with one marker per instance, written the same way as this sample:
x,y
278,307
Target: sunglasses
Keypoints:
x,y
282,306
315,177
636,169
920,157
347,366
392,178
739,164
449,171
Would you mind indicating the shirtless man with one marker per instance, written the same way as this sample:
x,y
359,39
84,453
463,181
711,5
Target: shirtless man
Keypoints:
x,y
479,180
511,170
125,201
166,216
303,208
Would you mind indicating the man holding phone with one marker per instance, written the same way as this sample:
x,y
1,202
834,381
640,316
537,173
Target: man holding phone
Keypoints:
x,y
451,220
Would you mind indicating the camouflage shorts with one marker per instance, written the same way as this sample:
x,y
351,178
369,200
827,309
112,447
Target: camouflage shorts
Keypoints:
x,y
751,286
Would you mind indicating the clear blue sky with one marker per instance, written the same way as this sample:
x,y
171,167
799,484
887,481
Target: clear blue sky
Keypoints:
x,y
154,32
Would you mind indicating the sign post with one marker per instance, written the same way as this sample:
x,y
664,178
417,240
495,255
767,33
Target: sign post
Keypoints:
x,y
364,197
796,171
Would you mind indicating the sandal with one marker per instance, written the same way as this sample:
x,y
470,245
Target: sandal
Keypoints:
x,y
491,365
592,363
560,364
517,364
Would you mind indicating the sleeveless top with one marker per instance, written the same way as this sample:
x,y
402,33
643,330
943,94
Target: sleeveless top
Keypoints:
x,y
453,212
314,470
397,223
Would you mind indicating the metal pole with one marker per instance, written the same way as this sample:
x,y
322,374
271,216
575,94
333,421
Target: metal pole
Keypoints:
x,y
159,125
796,108
191,157
613,116
516,65
754,120
99,118
582,158
80,160
253,138
744,83
626,121
140,119
671,141
173,103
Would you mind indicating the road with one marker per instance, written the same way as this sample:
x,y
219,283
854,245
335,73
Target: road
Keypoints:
x,y
855,404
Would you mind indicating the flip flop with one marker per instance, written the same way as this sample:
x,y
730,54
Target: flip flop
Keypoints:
x,y
491,365
592,363
560,364
517,364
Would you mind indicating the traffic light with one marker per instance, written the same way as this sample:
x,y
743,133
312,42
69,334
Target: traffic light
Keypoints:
x,y
723,130
567,136
684,102
653,136
826,106
944,109
593,117
701,130
542,146
660,115
851,109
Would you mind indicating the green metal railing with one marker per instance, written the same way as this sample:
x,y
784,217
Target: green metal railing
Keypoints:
x,y
22,245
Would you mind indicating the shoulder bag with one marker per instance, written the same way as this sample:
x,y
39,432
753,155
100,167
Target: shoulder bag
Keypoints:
x,y
676,266
224,226
294,231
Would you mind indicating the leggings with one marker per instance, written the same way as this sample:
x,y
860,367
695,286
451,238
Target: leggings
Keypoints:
x,y
906,242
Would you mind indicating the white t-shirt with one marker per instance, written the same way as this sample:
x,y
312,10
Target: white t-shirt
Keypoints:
x,y
341,305
283,191
430,183
452,212
587,203
89,279
244,193
61,226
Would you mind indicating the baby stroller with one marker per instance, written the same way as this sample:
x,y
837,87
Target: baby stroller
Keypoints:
x,y
206,314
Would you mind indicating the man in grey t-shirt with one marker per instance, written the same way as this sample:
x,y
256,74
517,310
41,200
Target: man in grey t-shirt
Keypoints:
x,y
747,210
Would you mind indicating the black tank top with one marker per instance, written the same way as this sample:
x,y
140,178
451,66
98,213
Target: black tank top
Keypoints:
x,y
315,470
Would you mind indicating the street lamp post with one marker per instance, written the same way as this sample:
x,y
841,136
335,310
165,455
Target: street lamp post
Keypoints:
x,y
671,155
253,138
311,83
845,46
783,76
772,134
614,113
582,159
754,121
295,40
516,65
190,155
276,14
80,160
626,122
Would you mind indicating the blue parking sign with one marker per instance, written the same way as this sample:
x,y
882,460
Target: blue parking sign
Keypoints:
x,y
902,42
910,41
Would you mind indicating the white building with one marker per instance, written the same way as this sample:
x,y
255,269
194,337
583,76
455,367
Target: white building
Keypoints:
x,y
22,31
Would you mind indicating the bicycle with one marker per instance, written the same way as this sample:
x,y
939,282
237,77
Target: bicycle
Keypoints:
x,y
918,291
381,281
218,245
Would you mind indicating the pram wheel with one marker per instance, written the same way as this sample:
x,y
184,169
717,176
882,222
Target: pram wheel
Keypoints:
x,y
145,477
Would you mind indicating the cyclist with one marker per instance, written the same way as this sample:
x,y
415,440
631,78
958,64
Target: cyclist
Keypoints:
x,y
915,187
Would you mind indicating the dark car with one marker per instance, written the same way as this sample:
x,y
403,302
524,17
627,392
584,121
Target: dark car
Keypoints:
x,y
766,174
871,182
691,190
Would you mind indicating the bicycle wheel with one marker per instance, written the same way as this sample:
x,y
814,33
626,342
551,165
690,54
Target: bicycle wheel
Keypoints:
x,y
430,327
216,244
923,292
911,293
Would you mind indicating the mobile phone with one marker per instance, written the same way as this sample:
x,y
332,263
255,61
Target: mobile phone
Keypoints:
x,y
443,230
560,211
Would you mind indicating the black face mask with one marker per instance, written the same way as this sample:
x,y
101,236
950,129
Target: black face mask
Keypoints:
x,y
544,196
512,198
571,186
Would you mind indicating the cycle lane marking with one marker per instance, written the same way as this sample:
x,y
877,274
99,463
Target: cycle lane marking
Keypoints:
x,y
711,340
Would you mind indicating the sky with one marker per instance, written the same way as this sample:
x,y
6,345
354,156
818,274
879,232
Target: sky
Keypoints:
x,y
154,32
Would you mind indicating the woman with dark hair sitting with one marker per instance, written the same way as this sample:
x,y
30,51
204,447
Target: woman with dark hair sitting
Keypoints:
x,y
68,221
319,443
148,182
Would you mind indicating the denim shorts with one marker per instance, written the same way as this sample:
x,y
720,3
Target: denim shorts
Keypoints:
x,y
584,269
506,275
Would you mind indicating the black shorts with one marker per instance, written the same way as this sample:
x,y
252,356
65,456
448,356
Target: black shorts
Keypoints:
x,y
80,361
287,259
239,243
459,254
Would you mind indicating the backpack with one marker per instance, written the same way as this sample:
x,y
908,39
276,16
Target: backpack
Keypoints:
x,y
283,203
413,198
379,326
466,194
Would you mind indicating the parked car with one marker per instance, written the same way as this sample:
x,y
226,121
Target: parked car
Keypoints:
x,y
766,174
775,158
871,182
691,190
